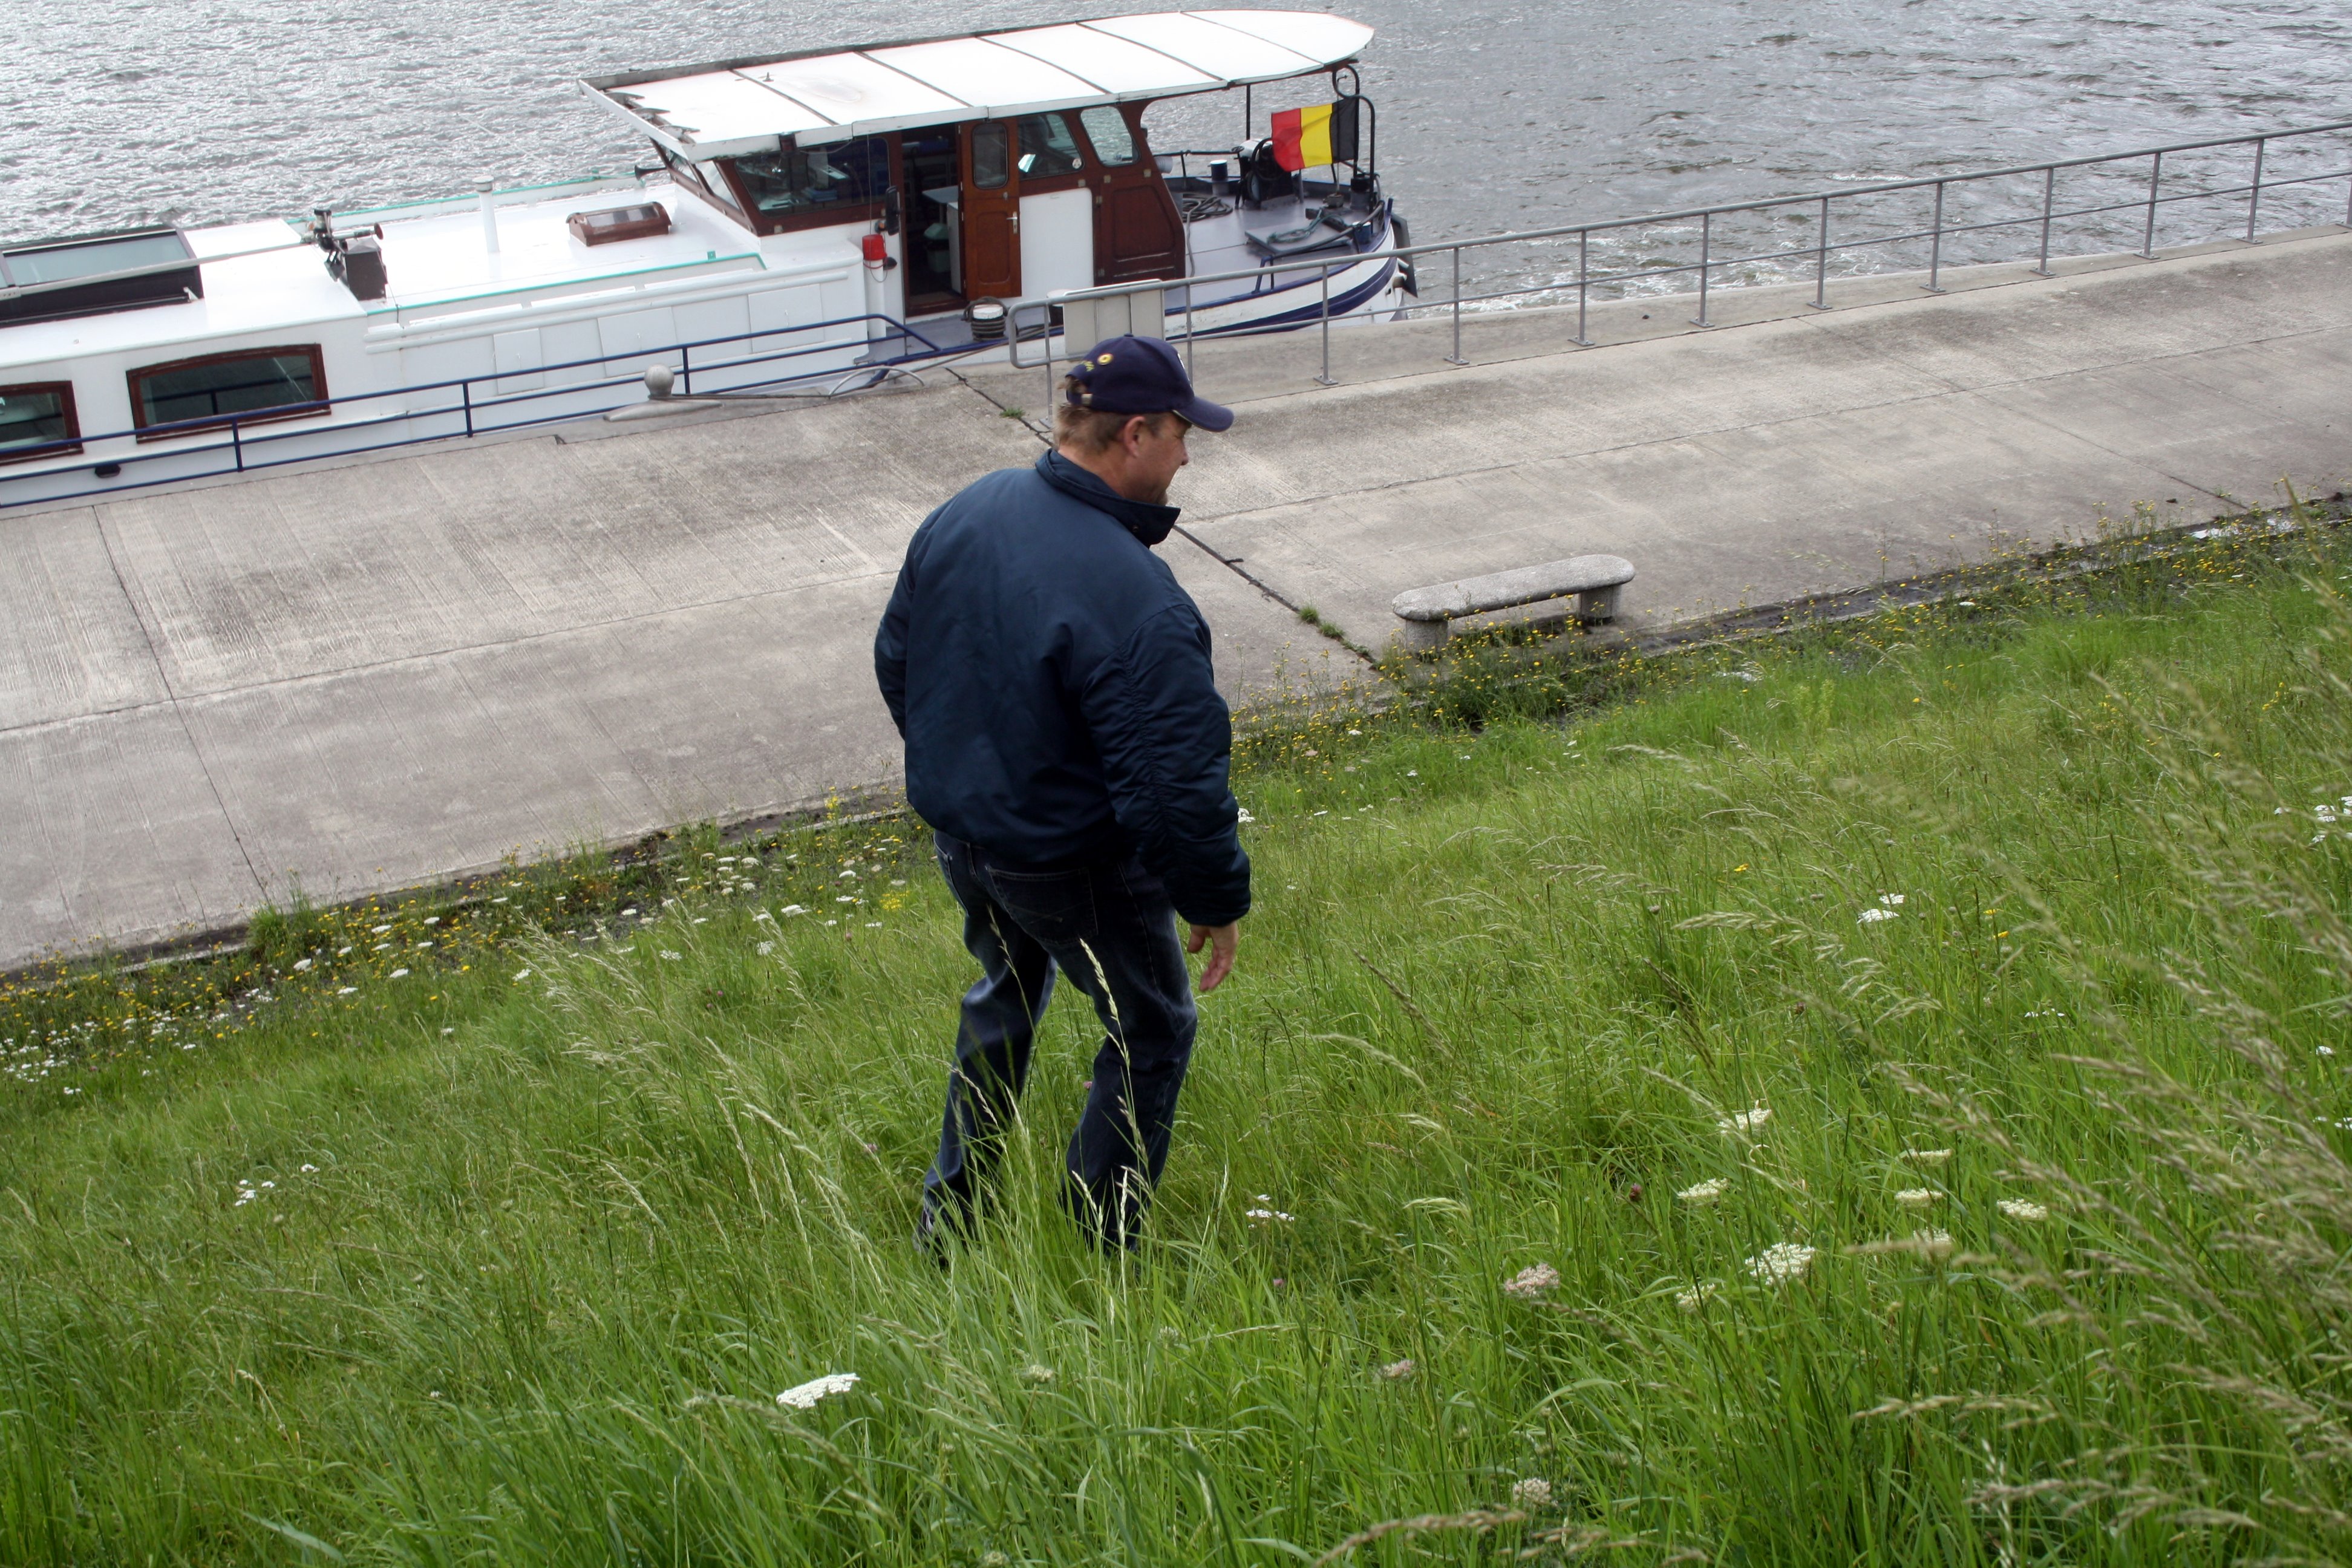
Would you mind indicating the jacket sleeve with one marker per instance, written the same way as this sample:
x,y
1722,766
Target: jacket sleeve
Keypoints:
x,y
1166,743
890,645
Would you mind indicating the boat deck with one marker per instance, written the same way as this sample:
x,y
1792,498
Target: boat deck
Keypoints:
x,y
438,258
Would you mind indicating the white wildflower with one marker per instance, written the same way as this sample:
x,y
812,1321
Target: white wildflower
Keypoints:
x,y
1872,916
379,930
1690,1300
806,1396
796,910
1918,1197
1267,1216
1707,1192
302,964
1781,1261
1037,1372
1927,1156
345,990
307,1170
1892,900
1245,819
669,957
1531,1494
522,974
1748,1121
1531,1281
399,973
766,948
2024,1209
1398,1371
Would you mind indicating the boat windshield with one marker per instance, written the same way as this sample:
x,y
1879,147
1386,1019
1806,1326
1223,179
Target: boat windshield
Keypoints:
x,y
1047,147
1106,129
796,180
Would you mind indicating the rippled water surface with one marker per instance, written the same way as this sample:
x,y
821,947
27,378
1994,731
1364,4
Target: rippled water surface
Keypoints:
x,y
1493,115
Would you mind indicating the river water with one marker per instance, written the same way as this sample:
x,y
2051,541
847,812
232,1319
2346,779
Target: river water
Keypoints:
x,y
1493,115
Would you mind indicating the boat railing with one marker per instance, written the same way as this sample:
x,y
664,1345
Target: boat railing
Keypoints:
x,y
2257,181
461,408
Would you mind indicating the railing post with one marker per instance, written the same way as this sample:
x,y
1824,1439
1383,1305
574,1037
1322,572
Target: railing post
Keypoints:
x,y
236,444
1821,262
1936,244
466,390
2155,175
1189,331
685,368
1584,283
1455,357
2254,197
1706,251
1324,379
2049,195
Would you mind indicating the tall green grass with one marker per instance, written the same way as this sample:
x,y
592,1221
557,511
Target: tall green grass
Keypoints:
x,y
1839,946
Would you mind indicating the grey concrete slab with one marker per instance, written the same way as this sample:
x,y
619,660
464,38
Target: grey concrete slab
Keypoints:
x,y
2224,425
1266,655
343,568
112,825
424,768
70,643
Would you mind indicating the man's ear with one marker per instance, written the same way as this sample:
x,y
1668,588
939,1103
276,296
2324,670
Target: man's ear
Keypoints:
x,y
1131,434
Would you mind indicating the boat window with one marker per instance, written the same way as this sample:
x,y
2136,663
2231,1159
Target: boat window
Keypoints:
x,y
1106,129
1047,147
794,180
33,416
702,180
990,154
219,386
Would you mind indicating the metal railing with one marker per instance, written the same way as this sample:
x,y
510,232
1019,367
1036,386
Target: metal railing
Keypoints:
x,y
462,409
1826,217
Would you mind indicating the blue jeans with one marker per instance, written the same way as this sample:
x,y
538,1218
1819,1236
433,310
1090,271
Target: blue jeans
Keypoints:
x,y
1110,928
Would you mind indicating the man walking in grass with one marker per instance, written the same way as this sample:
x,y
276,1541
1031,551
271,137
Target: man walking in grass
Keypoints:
x,y
1066,743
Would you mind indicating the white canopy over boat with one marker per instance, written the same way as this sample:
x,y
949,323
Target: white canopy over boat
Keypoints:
x,y
749,106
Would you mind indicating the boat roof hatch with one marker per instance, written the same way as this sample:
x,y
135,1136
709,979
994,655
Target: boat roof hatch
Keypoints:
x,y
736,107
93,274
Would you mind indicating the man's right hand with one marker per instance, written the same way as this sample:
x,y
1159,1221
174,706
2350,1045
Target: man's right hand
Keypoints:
x,y
1221,941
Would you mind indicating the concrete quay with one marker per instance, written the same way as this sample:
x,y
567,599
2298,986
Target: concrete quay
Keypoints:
x,y
374,675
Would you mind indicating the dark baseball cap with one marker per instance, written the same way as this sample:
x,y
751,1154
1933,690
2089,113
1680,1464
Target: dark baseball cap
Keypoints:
x,y
1141,376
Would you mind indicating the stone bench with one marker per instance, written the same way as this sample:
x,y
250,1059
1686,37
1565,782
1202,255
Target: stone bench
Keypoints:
x,y
1593,579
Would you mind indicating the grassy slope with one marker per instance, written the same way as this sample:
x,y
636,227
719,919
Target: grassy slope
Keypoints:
x,y
535,1300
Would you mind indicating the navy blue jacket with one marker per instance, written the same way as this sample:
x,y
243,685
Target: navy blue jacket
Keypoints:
x,y
1053,684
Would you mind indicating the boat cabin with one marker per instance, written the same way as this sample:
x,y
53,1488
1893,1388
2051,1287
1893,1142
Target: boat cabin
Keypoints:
x,y
1004,166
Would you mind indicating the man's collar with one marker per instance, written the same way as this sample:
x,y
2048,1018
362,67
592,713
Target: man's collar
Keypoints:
x,y
1147,521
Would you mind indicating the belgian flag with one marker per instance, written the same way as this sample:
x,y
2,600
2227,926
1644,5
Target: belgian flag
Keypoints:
x,y
1311,138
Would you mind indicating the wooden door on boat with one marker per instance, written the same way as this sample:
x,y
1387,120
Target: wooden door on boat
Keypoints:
x,y
992,212
1136,231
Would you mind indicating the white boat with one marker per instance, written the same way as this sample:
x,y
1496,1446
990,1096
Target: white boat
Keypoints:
x,y
811,220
